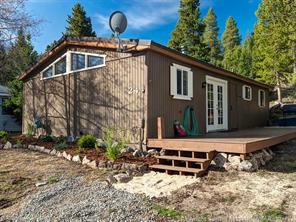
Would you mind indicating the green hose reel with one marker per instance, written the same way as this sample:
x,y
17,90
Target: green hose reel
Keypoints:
x,y
190,122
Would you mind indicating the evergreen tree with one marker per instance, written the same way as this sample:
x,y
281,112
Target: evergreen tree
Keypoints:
x,y
246,58
187,36
231,41
21,56
79,25
274,37
210,38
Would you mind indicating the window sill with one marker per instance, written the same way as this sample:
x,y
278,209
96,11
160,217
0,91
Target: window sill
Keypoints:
x,y
249,100
182,97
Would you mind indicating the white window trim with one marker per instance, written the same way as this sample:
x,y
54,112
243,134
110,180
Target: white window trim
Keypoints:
x,y
264,100
244,92
68,64
184,97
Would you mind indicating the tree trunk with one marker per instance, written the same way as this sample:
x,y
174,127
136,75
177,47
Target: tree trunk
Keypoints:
x,y
278,87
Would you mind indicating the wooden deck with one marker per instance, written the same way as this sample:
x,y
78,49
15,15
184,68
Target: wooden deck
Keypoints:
x,y
240,142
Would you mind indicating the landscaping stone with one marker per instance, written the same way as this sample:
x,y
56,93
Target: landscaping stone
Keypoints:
x,y
67,156
59,154
117,166
246,165
270,152
152,152
1,146
138,153
17,146
76,158
266,155
230,167
31,147
53,152
40,148
7,145
93,164
122,178
234,160
109,164
143,168
162,152
130,166
219,160
85,160
111,179
46,151
254,162
102,164
40,184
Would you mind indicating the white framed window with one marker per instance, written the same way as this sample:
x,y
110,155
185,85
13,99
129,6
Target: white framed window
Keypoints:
x,y
261,98
73,61
181,82
247,93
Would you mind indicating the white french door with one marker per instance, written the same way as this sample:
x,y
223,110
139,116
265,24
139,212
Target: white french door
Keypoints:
x,y
216,104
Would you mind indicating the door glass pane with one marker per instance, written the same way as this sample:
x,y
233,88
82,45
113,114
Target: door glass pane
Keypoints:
x,y
179,82
210,104
220,104
185,83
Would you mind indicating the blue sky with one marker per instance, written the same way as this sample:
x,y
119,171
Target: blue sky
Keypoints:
x,y
148,19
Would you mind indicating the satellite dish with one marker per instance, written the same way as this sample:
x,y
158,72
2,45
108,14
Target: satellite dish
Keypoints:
x,y
118,24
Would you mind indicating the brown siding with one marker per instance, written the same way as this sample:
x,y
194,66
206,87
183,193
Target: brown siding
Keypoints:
x,y
242,114
87,101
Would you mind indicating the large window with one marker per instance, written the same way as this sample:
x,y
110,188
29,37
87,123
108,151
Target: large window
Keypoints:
x,y
181,82
72,62
247,93
261,98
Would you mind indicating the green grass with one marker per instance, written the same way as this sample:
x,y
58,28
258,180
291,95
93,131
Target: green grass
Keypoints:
x,y
52,179
272,214
167,212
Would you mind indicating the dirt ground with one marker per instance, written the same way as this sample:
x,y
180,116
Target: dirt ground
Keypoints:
x,y
20,170
266,195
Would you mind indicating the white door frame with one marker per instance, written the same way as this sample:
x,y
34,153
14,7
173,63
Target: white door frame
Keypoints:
x,y
217,82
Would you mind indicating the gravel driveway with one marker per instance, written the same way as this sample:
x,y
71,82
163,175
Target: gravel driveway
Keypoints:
x,y
76,200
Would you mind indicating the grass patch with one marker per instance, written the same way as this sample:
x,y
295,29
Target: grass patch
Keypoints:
x,y
52,179
167,212
272,214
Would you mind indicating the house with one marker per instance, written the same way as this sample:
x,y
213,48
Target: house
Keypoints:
x,y
85,84
7,121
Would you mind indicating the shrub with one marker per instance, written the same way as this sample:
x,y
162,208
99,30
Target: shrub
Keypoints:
x,y
3,135
61,143
113,145
31,130
87,141
45,138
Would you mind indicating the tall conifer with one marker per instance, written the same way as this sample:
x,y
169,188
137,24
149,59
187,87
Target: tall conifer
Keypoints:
x,y
187,36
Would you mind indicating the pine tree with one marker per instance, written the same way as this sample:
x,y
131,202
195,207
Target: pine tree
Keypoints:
x,y
273,36
79,25
187,36
231,41
246,58
210,38
20,57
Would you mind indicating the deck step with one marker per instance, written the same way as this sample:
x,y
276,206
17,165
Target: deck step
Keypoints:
x,y
197,160
180,169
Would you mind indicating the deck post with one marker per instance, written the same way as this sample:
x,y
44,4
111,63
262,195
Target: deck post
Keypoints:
x,y
160,128
243,156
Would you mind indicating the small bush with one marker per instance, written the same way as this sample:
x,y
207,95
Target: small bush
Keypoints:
x,y
273,214
45,138
167,212
31,130
113,145
3,135
61,143
52,179
87,141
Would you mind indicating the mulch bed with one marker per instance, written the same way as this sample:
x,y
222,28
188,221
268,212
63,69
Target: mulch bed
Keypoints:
x,y
91,154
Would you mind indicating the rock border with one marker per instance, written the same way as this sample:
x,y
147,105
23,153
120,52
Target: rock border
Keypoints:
x,y
130,168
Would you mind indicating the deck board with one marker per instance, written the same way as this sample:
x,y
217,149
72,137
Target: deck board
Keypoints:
x,y
242,141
